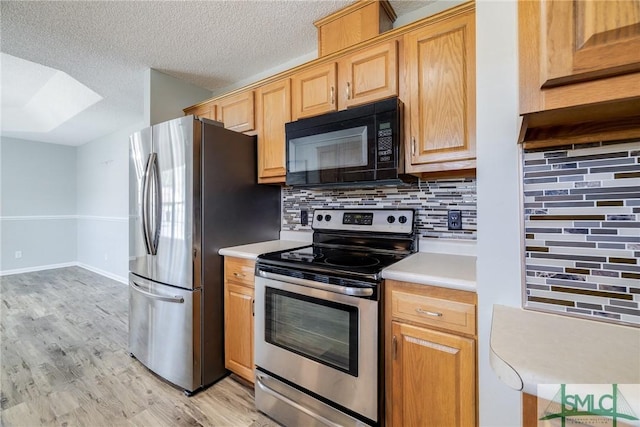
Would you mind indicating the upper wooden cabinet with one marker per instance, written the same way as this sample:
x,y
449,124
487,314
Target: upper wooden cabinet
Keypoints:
x,y
206,110
237,111
273,111
314,91
439,95
576,52
363,20
368,75
364,76
429,64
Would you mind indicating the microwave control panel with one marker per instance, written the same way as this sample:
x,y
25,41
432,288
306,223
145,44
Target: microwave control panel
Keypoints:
x,y
385,142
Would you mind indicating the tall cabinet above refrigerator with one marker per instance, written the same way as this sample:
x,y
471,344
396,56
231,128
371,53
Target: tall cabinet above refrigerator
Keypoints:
x,y
192,191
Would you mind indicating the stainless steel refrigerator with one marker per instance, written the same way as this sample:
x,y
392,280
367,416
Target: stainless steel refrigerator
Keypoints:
x,y
193,190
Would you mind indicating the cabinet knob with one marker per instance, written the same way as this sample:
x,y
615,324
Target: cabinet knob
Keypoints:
x,y
239,274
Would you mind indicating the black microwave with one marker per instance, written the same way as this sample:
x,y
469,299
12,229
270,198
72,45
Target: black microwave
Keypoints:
x,y
360,146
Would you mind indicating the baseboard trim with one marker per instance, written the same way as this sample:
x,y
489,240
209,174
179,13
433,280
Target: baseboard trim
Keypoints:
x,y
37,268
103,273
99,271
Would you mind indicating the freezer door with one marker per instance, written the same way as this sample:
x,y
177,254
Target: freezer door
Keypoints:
x,y
139,155
164,331
167,205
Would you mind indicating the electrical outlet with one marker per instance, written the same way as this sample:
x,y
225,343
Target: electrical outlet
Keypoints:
x,y
18,254
454,220
304,217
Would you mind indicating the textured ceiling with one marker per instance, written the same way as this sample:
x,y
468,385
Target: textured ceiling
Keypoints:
x,y
107,45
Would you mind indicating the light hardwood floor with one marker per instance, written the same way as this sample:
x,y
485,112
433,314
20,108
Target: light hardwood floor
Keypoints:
x,y
64,362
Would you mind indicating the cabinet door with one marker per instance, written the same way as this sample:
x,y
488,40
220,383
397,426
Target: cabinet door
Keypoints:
x,y
314,91
433,375
368,75
237,112
207,110
575,52
440,63
274,110
238,327
590,39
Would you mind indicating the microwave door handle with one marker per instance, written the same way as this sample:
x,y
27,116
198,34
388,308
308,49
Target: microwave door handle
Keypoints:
x,y
314,415
345,290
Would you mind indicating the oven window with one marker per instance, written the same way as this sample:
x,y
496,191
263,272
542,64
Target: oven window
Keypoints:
x,y
320,330
332,150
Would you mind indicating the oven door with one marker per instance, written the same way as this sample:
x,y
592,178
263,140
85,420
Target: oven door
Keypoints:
x,y
322,341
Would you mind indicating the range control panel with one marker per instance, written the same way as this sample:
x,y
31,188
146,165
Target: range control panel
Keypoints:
x,y
373,220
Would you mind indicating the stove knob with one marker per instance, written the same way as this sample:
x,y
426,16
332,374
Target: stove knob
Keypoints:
x,y
391,219
402,219
327,217
319,217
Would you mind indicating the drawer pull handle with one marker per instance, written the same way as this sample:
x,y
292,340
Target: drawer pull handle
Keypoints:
x,y
239,274
428,313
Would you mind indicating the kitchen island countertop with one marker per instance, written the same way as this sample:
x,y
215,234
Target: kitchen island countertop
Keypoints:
x,y
435,269
530,348
252,250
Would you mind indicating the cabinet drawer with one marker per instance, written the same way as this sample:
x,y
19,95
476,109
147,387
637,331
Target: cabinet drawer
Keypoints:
x,y
447,314
239,270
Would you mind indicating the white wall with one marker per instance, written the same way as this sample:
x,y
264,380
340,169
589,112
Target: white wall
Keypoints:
x,y
103,203
499,233
431,8
166,96
37,204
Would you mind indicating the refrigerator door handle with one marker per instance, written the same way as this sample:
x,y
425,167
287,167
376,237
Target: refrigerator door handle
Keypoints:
x,y
145,204
137,288
157,201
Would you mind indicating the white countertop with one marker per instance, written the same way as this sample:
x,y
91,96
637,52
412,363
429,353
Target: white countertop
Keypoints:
x,y
252,250
436,269
530,348
428,268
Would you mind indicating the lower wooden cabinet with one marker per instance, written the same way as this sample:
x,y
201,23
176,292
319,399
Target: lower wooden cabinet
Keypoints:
x,y
238,316
433,378
430,356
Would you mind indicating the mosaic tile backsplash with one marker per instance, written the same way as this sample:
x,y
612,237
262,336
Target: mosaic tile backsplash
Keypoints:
x,y
582,209
431,200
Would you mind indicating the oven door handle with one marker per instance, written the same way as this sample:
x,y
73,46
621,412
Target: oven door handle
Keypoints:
x,y
345,290
290,402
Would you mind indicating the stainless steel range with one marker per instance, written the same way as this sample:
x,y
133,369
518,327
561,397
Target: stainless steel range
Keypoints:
x,y
318,319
